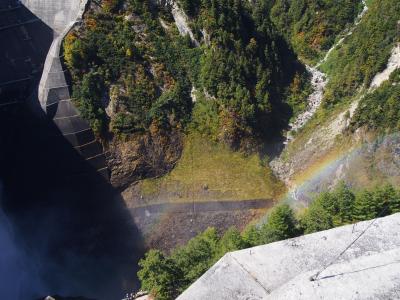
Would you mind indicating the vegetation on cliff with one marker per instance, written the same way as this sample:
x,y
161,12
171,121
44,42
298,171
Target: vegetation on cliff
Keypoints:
x,y
167,276
311,27
363,54
380,110
246,66
126,64
141,70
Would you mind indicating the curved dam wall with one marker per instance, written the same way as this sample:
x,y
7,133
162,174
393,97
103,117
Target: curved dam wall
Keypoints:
x,y
73,226
54,92
57,14
24,44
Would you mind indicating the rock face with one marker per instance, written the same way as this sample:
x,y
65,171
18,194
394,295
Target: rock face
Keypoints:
x,y
369,269
143,156
318,82
182,22
371,158
54,93
180,18
307,152
372,161
393,64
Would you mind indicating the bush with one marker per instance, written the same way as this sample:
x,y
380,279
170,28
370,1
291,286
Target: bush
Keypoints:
x,y
88,99
159,275
316,219
110,6
281,225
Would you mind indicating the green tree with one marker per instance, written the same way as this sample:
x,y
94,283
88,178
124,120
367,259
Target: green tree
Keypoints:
x,y
230,241
385,198
365,206
110,5
197,256
345,203
281,225
395,203
87,96
159,275
316,218
328,202
251,236
190,6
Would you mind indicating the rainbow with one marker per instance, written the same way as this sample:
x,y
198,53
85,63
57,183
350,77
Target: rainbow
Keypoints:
x,y
328,170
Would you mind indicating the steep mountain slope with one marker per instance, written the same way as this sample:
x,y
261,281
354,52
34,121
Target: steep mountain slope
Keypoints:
x,y
184,95
150,95
209,112
347,139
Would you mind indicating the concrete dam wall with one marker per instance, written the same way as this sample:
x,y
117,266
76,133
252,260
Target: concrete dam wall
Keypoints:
x,y
31,65
73,226
25,42
58,15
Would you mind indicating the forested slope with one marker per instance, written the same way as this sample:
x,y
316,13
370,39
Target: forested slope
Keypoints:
x,y
184,94
236,81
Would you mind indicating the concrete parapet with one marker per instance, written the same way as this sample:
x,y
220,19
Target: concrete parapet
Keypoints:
x,y
369,269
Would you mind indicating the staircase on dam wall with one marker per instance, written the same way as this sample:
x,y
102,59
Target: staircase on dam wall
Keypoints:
x,y
31,35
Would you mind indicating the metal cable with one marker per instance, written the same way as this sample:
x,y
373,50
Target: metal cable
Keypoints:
x,y
315,277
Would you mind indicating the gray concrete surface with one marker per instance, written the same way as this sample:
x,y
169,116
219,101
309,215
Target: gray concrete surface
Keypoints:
x,y
370,269
54,91
24,43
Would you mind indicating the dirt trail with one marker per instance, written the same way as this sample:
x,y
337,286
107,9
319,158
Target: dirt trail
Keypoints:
x,y
197,207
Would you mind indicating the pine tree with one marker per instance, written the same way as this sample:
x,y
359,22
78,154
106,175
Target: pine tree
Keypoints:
x,y
281,225
386,197
365,206
328,202
345,203
395,203
159,275
251,236
316,218
198,255
230,241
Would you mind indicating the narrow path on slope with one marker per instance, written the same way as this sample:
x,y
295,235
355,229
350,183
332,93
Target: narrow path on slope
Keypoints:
x,y
209,206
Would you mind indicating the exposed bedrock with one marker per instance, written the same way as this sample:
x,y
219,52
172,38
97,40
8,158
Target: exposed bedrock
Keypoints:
x,y
143,156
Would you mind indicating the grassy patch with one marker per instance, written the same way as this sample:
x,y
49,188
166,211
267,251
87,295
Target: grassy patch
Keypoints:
x,y
210,171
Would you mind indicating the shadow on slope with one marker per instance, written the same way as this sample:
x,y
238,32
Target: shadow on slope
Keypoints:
x,y
25,41
79,235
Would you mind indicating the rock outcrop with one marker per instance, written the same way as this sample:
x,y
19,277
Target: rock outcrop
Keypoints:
x,y
143,156
393,64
